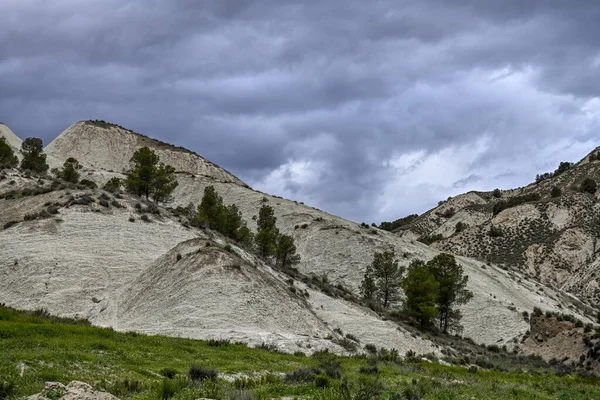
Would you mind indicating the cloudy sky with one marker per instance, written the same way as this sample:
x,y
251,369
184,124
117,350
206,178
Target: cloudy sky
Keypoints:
x,y
367,109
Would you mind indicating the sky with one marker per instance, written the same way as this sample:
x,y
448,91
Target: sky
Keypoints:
x,y
371,110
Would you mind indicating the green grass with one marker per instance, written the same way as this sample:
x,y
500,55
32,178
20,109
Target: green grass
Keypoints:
x,y
129,365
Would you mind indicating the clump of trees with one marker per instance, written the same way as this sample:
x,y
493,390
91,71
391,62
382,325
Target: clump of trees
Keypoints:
x,y
562,168
268,242
7,155
149,177
390,226
70,170
34,158
214,214
432,291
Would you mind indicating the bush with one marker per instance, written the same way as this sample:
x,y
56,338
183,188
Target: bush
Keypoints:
x,y
145,218
103,203
588,186
90,184
9,224
495,231
131,219
371,348
126,387
168,372
555,192
219,342
322,381
497,193
302,375
7,389
201,374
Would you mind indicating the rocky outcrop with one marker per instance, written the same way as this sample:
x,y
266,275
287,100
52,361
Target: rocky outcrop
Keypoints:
x,y
73,391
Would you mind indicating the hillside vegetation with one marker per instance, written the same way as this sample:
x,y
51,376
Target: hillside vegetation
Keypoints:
x,y
547,230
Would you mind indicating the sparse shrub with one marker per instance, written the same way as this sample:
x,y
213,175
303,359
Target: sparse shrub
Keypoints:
x,y
168,372
178,256
201,374
88,183
219,342
131,219
7,389
495,231
473,369
460,226
371,348
352,337
322,381
555,192
126,387
103,203
302,375
588,186
448,213
497,193
347,344
9,224
304,226
145,218
113,185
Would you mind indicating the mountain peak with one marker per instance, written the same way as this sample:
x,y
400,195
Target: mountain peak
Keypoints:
x,y
107,146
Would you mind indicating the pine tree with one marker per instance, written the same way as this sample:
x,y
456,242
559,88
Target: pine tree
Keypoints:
x,y
7,155
140,179
164,183
267,232
452,289
286,256
70,170
388,275
211,210
420,288
368,288
34,158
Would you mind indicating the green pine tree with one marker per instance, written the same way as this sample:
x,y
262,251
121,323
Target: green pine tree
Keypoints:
x,y
211,210
140,179
164,183
388,275
286,256
34,158
420,288
70,170
452,289
7,155
267,232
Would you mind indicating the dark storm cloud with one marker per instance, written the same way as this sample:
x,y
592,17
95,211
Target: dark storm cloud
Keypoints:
x,y
366,109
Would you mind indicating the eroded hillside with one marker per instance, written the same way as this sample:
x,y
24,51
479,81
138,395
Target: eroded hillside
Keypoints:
x,y
104,263
547,230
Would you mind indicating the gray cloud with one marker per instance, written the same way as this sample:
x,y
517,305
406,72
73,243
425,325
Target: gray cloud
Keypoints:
x,y
371,110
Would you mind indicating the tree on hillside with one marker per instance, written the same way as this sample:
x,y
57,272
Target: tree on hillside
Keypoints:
x,y
211,210
7,155
285,253
113,185
34,158
140,179
452,290
70,170
588,185
224,219
387,275
164,183
368,287
564,166
150,177
267,233
420,288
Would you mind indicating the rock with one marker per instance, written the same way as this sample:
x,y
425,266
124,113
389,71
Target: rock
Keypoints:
x,y
539,337
73,391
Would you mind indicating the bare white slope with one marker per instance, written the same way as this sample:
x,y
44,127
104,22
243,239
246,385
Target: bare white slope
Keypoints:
x,y
110,148
12,139
92,262
328,245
